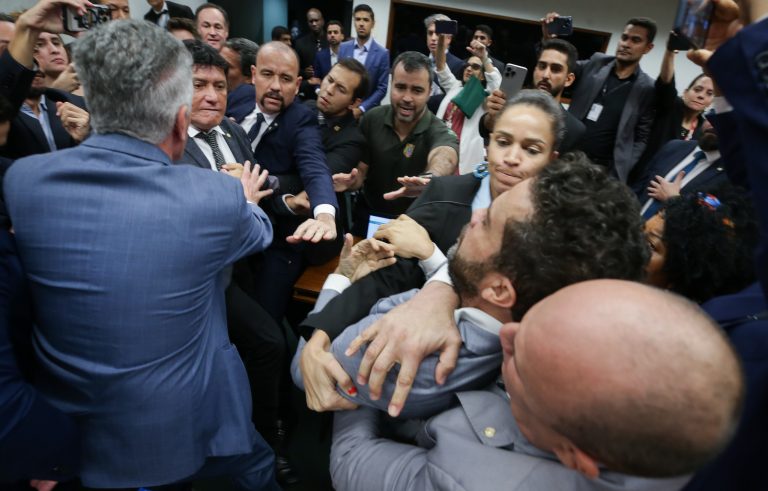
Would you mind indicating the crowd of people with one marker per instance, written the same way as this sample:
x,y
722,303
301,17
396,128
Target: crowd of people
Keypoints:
x,y
566,294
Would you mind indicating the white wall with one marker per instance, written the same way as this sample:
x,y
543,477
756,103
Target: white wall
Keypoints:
x,y
601,15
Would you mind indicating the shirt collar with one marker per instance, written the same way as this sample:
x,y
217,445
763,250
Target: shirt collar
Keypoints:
x,y
192,131
366,46
421,126
268,118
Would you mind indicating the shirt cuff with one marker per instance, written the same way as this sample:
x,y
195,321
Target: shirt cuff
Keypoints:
x,y
336,282
431,264
362,108
326,208
285,196
721,104
442,275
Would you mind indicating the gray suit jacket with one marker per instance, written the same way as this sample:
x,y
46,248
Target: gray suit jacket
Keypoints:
x,y
475,446
479,360
636,118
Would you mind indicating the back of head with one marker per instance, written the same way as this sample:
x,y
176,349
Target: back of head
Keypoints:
x,y
135,77
639,379
710,242
246,49
183,24
585,225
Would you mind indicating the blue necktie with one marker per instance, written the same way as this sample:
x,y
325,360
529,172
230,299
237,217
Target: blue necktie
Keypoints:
x,y
654,208
254,131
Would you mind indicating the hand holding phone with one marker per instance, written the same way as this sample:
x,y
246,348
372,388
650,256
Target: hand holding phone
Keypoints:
x,y
692,22
93,16
560,26
512,79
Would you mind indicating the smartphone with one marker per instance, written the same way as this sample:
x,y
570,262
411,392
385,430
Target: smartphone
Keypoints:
x,y
561,26
374,223
512,79
693,20
95,15
446,27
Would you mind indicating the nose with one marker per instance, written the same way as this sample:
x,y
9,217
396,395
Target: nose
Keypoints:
x,y
274,83
514,155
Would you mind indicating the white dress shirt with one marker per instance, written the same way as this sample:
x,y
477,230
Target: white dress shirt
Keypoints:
x,y
250,120
229,157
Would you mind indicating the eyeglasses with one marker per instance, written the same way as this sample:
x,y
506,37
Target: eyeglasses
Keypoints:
x,y
474,66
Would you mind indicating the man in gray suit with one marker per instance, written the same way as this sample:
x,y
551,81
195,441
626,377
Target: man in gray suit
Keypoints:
x,y
630,394
126,256
535,219
613,97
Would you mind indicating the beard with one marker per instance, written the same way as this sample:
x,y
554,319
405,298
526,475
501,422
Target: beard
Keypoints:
x,y
35,92
465,274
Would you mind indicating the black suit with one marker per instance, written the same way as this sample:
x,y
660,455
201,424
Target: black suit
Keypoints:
x,y
259,339
174,10
443,209
26,136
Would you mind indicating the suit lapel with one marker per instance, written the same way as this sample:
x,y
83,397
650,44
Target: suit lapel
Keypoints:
x,y
233,144
193,154
34,127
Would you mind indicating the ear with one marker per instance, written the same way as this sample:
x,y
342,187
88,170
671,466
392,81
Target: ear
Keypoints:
x,y
298,85
555,154
570,79
253,74
574,458
497,290
355,103
648,49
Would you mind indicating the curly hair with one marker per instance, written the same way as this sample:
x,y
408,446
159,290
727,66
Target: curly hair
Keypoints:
x,y
709,250
585,225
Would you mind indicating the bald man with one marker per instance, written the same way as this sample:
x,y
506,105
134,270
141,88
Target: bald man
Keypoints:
x,y
632,393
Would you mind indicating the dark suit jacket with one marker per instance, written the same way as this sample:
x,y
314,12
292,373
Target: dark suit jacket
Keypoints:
x,y
306,47
236,139
668,157
740,465
747,55
636,118
174,10
377,64
36,440
240,102
322,63
443,209
292,145
26,136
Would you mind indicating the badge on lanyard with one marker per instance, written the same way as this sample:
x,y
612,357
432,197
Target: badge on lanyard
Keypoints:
x,y
595,111
408,150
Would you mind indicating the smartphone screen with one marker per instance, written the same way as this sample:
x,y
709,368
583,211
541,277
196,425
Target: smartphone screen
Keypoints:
x,y
374,223
693,20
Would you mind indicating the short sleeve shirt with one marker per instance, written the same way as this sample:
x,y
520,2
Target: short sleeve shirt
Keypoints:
x,y
389,158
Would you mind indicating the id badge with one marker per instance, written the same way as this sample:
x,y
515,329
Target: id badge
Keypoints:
x,y
595,111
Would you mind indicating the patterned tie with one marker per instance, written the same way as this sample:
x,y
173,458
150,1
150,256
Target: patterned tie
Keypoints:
x,y
210,138
654,208
254,131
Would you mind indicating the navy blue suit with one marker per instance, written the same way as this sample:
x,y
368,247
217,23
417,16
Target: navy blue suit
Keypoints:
x,y
36,440
240,102
739,67
322,64
377,64
668,157
740,465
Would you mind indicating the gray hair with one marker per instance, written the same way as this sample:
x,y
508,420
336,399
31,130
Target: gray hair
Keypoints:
x,y
434,17
548,105
135,77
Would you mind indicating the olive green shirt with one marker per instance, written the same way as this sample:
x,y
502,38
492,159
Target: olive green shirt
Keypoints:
x,y
389,158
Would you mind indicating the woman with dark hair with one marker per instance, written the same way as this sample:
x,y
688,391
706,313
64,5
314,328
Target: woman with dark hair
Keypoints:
x,y
702,245
677,117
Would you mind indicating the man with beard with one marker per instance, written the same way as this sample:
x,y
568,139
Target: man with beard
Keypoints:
x,y
36,128
327,57
552,74
613,97
367,51
286,141
407,145
682,166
